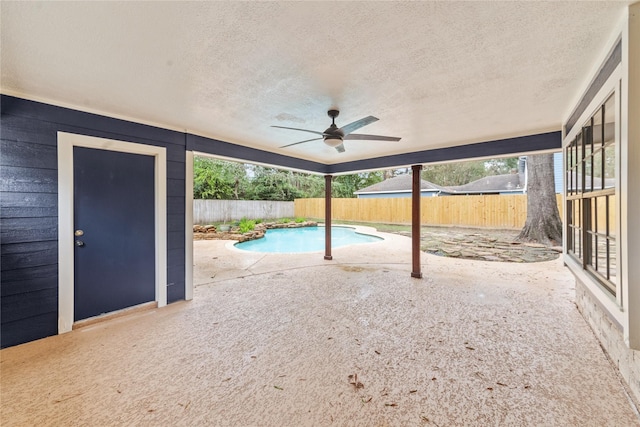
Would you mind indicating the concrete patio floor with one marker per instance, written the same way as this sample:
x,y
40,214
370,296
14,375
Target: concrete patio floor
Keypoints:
x,y
276,340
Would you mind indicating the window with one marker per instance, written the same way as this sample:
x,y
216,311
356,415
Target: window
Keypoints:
x,y
591,196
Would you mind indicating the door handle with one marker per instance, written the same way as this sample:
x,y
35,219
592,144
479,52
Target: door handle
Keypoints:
x,y
79,243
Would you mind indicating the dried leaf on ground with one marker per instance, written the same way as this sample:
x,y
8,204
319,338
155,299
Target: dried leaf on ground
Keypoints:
x,y
353,380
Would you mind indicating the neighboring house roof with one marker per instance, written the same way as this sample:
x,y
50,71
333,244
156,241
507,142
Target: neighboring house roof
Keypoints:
x,y
397,184
512,182
492,184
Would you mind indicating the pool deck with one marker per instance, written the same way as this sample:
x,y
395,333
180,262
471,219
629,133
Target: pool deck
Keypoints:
x,y
218,260
294,340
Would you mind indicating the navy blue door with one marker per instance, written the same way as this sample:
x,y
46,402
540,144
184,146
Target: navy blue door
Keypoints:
x,y
114,261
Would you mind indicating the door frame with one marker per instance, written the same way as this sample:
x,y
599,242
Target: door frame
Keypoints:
x,y
66,142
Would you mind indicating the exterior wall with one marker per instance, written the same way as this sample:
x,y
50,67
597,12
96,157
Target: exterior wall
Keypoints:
x,y
609,333
208,211
29,211
616,320
29,208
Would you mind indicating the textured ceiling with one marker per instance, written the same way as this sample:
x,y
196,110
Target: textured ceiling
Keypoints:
x,y
436,74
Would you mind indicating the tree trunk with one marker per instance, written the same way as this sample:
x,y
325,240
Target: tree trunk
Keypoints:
x,y
543,223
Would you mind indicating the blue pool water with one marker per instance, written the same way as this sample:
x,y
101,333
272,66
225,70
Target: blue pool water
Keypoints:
x,y
304,239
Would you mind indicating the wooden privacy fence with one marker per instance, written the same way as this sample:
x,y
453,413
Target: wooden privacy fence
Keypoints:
x,y
498,211
209,211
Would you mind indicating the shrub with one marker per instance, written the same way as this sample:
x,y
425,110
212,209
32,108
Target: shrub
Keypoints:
x,y
299,220
246,225
284,220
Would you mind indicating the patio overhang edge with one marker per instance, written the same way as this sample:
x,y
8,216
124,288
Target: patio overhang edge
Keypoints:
x,y
250,155
548,141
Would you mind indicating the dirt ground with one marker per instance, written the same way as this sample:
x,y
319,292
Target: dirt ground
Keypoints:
x,y
482,244
485,244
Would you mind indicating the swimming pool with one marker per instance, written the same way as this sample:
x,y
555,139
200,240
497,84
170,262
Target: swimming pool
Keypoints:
x,y
305,239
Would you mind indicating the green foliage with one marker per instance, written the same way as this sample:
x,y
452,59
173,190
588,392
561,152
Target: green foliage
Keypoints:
x,y
448,174
501,166
459,173
299,220
284,220
217,179
276,184
344,186
246,225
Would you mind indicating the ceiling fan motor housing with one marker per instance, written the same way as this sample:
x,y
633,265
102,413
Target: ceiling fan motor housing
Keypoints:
x,y
333,135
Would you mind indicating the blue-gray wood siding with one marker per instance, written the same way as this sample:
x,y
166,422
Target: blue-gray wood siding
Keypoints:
x,y
606,69
29,208
497,148
558,172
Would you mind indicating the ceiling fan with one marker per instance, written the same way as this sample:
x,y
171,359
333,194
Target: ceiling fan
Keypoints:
x,y
334,136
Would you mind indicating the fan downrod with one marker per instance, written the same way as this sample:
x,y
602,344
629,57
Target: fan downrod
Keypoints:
x,y
333,114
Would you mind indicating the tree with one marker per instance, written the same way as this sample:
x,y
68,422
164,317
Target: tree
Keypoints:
x,y
448,174
543,224
217,179
277,184
343,186
501,166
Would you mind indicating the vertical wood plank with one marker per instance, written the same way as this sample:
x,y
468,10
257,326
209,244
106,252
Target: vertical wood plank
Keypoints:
x,y
490,211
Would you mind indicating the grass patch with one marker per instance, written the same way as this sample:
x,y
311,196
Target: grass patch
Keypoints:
x,y
299,220
384,228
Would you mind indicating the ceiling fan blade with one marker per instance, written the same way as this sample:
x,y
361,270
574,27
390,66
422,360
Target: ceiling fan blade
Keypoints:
x,y
301,142
340,148
347,129
302,130
363,137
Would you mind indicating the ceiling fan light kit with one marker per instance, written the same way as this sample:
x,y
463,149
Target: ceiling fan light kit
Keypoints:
x,y
332,141
333,136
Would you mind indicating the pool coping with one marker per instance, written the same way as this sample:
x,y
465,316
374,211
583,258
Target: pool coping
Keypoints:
x,y
359,229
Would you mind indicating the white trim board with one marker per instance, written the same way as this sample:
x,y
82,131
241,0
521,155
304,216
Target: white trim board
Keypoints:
x,y
66,142
188,231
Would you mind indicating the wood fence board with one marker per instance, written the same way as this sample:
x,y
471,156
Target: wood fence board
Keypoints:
x,y
494,211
